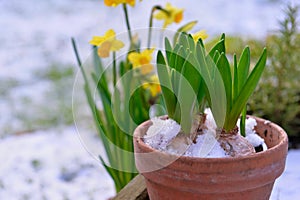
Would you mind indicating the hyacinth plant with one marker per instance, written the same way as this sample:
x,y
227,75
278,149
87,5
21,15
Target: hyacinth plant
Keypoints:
x,y
112,121
192,78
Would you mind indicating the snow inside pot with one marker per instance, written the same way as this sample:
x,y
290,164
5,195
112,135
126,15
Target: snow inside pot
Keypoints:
x,y
171,176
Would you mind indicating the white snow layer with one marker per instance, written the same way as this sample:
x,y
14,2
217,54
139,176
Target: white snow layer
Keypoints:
x,y
161,132
51,165
251,135
206,146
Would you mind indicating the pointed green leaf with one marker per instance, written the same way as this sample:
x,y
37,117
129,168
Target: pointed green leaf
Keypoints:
x,y
216,56
235,91
184,41
191,42
185,28
168,49
220,46
187,96
173,56
224,68
243,68
166,86
248,88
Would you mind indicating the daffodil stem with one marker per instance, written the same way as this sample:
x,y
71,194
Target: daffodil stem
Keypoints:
x,y
79,60
151,22
127,22
114,69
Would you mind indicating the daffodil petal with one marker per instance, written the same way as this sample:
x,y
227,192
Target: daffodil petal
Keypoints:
x,y
174,15
133,57
117,45
130,2
160,15
200,34
146,69
104,49
96,40
112,3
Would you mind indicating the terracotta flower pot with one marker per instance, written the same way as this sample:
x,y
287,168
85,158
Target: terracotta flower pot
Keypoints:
x,y
250,177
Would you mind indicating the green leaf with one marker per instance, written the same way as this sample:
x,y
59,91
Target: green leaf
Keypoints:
x,y
200,43
175,77
202,68
183,40
120,178
217,92
247,89
224,69
220,46
186,94
243,68
191,42
185,28
168,49
243,122
235,91
214,87
180,58
216,56
166,85
173,56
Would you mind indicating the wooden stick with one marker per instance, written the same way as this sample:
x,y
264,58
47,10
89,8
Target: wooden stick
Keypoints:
x,y
134,190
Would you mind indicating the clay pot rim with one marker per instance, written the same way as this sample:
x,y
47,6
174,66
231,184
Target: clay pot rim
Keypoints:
x,y
269,151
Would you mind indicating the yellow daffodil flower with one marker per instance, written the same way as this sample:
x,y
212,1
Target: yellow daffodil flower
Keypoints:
x,y
174,15
142,60
153,86
107,43
200,34
114,3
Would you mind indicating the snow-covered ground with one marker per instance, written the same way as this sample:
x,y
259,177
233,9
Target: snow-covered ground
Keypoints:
x,y
35,37
51,165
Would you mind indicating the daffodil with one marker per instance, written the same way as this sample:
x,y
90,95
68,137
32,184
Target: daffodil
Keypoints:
x,y
172,15
107,43
114,3
142,60
200,34
153,86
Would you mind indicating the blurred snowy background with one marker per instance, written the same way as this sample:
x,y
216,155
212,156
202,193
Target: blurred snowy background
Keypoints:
x,y
40,151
